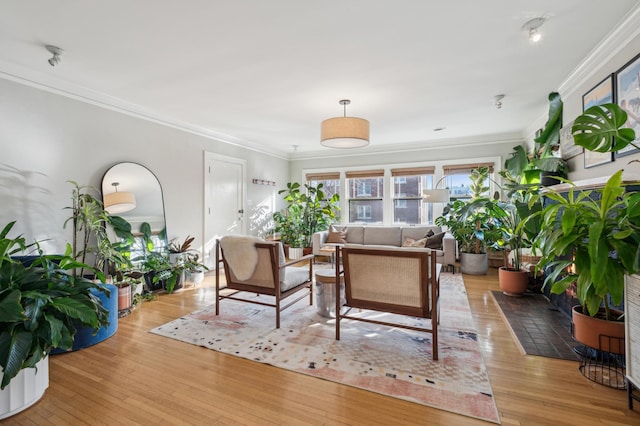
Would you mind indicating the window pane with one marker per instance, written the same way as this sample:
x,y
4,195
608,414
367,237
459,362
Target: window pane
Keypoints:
x,y
365,199
367,211
366,187
330,187
459,186
407,211
408,205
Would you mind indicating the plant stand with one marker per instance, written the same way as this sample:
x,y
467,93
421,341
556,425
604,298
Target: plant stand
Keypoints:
x,y
603,367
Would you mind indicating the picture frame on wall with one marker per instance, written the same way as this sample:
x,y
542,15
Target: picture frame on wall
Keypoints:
x,y
628,98
601,93
568,148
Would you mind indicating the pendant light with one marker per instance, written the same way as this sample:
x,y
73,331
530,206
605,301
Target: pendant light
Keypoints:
x,y
345,132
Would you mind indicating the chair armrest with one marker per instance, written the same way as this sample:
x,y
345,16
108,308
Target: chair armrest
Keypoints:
x,y
298,260
318,239
449,249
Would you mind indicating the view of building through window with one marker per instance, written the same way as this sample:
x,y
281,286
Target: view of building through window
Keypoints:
x,y
408,204
364,193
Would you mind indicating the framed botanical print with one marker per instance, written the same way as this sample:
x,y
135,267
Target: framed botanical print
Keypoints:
x,y
568,148
602,93
628,98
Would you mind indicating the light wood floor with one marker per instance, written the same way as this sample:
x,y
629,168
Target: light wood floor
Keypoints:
x,y
140,378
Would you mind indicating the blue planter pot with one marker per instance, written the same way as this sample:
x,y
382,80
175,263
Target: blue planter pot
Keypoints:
x,y
84,336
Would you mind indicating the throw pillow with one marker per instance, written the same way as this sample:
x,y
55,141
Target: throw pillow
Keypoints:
x,y
435,241
337,237
410,242
429,233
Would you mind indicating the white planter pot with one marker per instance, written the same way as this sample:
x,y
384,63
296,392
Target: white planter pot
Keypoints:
x,y
196,277
295,252
25,389
474,264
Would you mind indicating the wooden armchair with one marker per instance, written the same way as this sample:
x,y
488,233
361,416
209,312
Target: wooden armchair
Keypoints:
x,y
399,281
257,266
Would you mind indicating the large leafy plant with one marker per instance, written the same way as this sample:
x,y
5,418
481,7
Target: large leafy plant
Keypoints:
x,y
41,304
307,211
592,237
471,223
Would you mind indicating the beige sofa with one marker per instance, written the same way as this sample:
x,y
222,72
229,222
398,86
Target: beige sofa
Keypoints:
x,y
394,236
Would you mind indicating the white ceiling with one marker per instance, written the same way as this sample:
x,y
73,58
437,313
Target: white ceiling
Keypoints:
x,y
264,74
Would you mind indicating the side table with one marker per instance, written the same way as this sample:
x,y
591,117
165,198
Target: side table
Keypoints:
x,y
325,292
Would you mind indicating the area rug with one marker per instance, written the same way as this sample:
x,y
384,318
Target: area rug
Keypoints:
x,y
387,360
538,328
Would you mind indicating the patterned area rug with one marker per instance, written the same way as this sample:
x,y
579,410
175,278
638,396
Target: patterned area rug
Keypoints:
x,y
386,360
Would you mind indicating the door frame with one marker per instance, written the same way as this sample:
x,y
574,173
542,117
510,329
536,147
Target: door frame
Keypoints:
x,y
208,157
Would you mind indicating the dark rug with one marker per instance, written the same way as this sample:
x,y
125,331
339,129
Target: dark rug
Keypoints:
x,y
539,328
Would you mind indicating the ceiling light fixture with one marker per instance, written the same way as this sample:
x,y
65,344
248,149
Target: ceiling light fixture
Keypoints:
x,y
56,52
119,202
498,101
344,132
531,27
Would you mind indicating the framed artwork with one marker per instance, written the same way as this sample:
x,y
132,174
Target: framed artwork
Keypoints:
x,y
628,98
568,148
602,93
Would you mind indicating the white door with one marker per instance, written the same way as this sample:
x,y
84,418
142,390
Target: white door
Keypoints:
x,y
224,200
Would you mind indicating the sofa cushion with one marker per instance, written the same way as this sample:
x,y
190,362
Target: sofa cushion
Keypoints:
x,y
419,232
410,242
337,236
355,234
435,241
387,235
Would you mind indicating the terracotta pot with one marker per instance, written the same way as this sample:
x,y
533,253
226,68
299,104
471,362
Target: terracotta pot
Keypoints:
x,y
595,332
512,282
124,297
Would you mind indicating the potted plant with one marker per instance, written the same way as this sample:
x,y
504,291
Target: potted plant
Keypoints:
x,y
306,212
590,238
41,305
185,260
471,224
546,155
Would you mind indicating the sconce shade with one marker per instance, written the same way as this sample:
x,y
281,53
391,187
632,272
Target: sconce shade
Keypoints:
x,y
435,195
119,202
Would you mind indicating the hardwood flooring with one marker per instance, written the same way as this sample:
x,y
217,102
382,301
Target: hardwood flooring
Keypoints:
x,y
137,377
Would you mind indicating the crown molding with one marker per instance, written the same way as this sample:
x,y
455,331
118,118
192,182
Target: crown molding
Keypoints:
x,y
41,81
616,40
462,142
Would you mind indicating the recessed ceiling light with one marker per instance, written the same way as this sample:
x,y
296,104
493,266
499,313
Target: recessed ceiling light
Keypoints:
x,y
439,129
531,27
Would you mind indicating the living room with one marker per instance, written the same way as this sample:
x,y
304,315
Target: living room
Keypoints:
x,y
56,128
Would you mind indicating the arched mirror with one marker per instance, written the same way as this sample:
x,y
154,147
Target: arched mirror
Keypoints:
x,y
133,192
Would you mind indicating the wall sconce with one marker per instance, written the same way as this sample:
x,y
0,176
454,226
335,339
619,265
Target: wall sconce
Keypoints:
x,y
264,182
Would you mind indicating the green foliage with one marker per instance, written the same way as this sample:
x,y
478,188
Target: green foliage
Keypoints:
x,y
41,305
307,212
88,219
471,223
599,129
591,241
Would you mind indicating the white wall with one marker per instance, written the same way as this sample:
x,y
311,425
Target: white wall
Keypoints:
x,y
47,139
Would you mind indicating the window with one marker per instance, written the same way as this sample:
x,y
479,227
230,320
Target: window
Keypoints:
x,y
458,181
365,194
408,205
330,184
